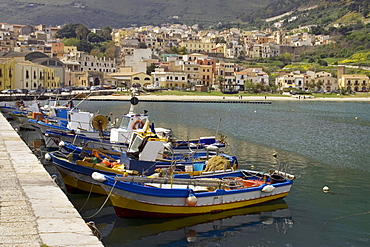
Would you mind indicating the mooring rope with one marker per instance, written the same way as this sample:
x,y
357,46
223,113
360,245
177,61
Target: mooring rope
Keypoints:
x,y
88,197
110,192
342,217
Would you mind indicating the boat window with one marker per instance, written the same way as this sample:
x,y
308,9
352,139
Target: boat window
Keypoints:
x,y
135,144
124,122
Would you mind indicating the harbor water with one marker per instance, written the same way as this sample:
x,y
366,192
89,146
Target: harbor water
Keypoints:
x,y
322,143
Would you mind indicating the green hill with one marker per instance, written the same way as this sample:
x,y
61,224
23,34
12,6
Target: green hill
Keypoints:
x,y
123,13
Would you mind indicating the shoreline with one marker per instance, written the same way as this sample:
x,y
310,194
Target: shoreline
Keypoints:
x,y
223,98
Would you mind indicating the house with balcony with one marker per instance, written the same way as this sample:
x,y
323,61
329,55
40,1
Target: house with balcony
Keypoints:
x,y
352,82
225,70
291,81
92,63
197,46
169,79
29,75
254,75
322,79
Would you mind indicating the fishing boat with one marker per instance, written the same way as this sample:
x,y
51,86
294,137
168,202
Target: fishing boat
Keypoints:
x,y
95,130
185,196
143,157
23,113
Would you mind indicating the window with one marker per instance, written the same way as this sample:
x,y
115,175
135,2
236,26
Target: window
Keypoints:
x,y
136,78
27,74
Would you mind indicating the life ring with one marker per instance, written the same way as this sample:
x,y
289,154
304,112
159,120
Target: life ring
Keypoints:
x,y
137,124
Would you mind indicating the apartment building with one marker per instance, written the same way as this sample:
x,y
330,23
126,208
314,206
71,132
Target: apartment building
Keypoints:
x,y
7,73
91,63
169,79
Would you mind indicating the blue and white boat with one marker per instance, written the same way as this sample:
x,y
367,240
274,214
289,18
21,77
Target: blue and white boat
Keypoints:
x,y
143,157
175,197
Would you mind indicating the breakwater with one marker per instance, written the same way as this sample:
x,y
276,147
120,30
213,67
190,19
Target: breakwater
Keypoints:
x,y
33,209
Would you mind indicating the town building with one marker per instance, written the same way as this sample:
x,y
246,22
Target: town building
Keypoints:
x,y
352,82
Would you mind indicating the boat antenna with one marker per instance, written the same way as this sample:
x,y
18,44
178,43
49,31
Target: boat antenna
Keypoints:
x,y
81,100
275,155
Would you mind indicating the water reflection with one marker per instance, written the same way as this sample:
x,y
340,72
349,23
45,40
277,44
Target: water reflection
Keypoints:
x,y
202,228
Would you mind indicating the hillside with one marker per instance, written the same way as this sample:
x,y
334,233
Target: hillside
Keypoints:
x,y
123,13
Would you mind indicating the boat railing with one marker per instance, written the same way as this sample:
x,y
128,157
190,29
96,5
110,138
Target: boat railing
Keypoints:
x,y
207,182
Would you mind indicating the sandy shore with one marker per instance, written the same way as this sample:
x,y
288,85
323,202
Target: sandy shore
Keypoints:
x,y
153,97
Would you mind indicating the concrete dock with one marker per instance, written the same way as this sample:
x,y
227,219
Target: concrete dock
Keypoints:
x,y
34,211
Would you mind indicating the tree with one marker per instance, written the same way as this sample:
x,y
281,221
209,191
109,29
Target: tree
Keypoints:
x,y
110,49
94,38
311,85
84,46
68,31
323,63
150,69
107,33
220,80
95,52
311,60
143,45
82,31
70,41
249,86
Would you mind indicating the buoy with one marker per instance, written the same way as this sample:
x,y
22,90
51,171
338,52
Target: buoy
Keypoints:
x,y
252,166
268,188
325,189
98,177
255,111
61,144
47,157
191,200
356,117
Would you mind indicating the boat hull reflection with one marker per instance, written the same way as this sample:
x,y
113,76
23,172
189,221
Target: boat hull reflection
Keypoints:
x,y
145,232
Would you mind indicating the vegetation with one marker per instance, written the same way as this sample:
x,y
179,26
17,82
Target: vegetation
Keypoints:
x,y
79,35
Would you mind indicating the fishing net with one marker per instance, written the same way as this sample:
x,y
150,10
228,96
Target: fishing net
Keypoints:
x,y
217,163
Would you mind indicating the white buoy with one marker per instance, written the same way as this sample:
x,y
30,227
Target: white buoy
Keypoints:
x,y
47,157
191,200
98,177
325,189
268,188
